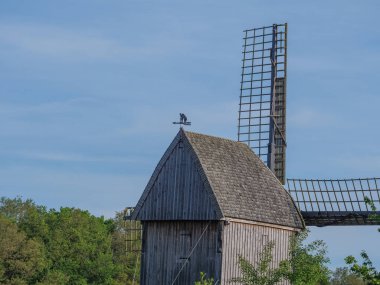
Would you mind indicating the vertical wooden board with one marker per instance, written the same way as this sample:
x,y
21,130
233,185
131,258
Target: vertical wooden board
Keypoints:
x,y
249,240
178,192
165,247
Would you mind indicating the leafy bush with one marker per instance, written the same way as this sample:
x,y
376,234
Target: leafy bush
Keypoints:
x,y
306,265
308,262
204,280
262,273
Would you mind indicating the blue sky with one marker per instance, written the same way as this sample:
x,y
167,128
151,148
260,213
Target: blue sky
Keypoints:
x,y
88,91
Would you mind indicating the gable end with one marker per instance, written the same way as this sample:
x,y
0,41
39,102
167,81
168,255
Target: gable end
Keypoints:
x,y
178,188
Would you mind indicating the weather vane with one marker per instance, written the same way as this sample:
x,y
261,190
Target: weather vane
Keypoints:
x,y
182,120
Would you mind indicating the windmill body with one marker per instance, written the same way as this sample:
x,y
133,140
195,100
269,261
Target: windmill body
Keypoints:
x,y
209,201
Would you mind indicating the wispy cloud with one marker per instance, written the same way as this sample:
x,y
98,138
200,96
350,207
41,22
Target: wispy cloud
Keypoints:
x,y
54,41
56,156
57,42
53,107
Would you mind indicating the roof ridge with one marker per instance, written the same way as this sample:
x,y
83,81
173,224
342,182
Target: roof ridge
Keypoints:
x,y
214,137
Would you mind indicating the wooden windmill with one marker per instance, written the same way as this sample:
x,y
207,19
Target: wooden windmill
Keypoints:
x,y
211,199
262,125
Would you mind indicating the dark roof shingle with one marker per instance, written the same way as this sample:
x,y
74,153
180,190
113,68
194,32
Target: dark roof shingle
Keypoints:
x,y
243,185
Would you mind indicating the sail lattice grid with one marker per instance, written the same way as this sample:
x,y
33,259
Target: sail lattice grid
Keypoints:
x,y
324,202
262,107
133,232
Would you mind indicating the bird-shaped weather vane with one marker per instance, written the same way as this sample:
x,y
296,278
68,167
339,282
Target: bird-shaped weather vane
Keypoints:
x,y
182,120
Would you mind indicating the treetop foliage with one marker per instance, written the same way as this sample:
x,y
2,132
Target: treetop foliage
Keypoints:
x,y
343,276
66,246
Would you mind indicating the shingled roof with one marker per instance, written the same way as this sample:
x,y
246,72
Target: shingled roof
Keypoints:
x,y
243,186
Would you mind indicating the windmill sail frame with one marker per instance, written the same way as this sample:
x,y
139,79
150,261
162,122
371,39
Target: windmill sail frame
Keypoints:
x,y
325,202
262,107
262,125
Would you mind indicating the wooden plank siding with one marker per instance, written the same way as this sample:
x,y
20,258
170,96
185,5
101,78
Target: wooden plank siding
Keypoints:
x,y
248,240
166,246
179,193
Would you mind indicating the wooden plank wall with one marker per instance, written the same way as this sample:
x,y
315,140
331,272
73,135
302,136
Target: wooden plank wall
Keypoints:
x,y
166,245
178,192
248,240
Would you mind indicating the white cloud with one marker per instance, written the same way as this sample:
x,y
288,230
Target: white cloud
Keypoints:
x,y
53,41
70,157
46,107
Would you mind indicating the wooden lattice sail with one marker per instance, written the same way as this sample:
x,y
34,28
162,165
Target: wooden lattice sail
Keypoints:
x,y
262,126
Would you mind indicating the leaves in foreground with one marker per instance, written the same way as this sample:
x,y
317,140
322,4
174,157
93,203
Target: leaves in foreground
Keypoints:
x,y
262,273
307,264
204,280
343,276
366,270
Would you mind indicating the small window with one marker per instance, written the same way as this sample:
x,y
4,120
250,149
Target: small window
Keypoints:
x,y
184,245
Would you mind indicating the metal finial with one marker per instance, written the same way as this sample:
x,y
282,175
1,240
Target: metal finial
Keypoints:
x,y
182,120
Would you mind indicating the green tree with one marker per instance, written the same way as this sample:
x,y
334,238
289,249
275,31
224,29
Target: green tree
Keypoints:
x,y
366,270
77,245
54,277
22,260
262,273
29,217
307,264
343,276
